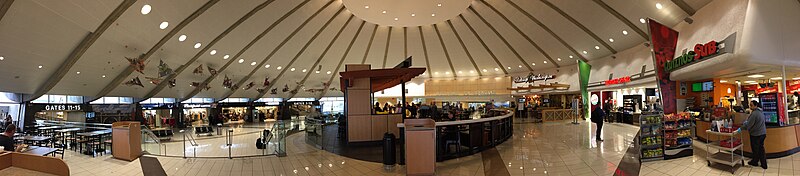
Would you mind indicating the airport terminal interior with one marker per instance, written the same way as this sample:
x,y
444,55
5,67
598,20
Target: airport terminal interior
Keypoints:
x,y
388,87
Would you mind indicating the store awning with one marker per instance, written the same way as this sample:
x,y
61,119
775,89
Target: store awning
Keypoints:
x,y
381,78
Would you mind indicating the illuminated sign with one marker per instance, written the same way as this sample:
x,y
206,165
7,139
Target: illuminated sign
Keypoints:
x,y
62,107
700,52
190,106
618,81
533,77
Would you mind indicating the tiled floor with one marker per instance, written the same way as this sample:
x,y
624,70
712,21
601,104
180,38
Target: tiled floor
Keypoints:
x,y
697,165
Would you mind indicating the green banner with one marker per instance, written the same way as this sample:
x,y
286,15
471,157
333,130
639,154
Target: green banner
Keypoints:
x,y
583,76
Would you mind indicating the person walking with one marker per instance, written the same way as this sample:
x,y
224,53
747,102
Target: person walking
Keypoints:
x,y
757,128
597,118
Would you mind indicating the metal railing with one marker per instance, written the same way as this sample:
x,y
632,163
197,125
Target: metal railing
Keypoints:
x,y
147,133
192,142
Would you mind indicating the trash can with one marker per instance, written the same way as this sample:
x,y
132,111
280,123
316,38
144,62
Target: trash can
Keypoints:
x,y
389,151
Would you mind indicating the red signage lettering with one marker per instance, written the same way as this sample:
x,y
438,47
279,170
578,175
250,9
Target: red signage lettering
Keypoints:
x,y
703,50
618,81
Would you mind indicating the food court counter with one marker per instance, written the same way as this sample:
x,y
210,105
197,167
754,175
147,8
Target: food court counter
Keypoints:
x,y
460,138
781,140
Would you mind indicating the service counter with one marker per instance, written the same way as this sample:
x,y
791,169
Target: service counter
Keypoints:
x,y
367,128
460,138
781,141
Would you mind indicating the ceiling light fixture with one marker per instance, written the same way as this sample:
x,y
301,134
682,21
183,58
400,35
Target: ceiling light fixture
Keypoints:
x,y
659,6
241,61
439,5
226,57
459,72
383,12
642,20
596,47
103,76
559,59
796,78
484,70
755,76
182,38
329,72
570,56
213,52
304,70
433,14
533,63
624,32
253,63
366,6
611,40
446,73
316,71
2,58
545,62
509,68
723,81
776,78
163,25
40,66
584,52
472,71
146,9
292,69
395,18
496,69
750,82
413,15
279,67
266,66
520,66
435,73
78,73
197,45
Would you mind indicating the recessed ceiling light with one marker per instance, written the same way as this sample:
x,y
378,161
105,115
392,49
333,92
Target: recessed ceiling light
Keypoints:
x,y
624,32
413,15
396,18
316,71
103,76
642,20
292,69
163,25
329,72
241,61
459,72
366,6
439,5
596,47
750,82
40,66
776,78
496,69
570,56
197,45
146,9
611,40
756,76
796,78
266,66
78,73
182,38
584,52
472,71
533,63
253,63
2,58
304,70
659,6
213,52
520,66
383,12
226,56
545,62
279,67
484,70
559,59
446,73
433,14
435,73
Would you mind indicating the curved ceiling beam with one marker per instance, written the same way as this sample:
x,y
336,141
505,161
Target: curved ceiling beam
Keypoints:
x,y
6,4
560,40
272,82
247,47
484,44
623,19
219,37
78,51
444,48
502,39
324,52
128,70
464,47
341,61
685,7
584,28
369,45
425,51
528,38
386,50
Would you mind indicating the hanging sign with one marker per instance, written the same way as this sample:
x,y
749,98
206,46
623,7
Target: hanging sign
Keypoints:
x,y
622,80
533,77
62,107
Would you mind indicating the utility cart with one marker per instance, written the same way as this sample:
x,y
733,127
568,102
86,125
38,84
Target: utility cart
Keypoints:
x,y
726,149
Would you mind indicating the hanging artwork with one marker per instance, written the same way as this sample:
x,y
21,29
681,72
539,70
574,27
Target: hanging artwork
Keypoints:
x,y
208,87
163,69
285,88
198,70
261,90
172,83
155,81
249,85
212,71
294,91
134,82
273,91
196,84
227,83
137,64
266,82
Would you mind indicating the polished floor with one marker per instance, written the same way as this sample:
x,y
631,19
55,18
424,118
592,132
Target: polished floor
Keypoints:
x,y
552,148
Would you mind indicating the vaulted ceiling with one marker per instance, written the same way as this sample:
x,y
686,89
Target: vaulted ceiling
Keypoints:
x,y
80,47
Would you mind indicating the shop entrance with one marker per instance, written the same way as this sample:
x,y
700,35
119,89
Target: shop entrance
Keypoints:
x,y
234,114
266,113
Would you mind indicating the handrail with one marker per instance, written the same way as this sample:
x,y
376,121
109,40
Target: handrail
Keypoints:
x,y
155,138
192,141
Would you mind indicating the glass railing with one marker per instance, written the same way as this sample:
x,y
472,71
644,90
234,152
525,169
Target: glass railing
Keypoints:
x,y
150,142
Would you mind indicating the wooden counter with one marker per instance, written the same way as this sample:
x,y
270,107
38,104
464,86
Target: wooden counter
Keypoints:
x,y
363,128
780,141
21,163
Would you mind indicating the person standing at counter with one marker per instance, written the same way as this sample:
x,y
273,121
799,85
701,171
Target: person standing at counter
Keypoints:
x,y
757,128
377,107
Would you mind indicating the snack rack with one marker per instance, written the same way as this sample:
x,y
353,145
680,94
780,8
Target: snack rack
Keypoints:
x,y
651,137
726,149
678,135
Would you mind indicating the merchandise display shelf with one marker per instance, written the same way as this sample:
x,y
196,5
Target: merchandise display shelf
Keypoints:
x,y
651,137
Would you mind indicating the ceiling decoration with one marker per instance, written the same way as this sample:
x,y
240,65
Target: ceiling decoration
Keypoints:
x,y
302,44
406,13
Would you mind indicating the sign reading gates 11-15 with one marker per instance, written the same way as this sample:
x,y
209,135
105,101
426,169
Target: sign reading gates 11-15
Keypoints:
x,y
700,52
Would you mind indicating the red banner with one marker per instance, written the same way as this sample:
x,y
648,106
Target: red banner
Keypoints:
x,y
664,41
793,86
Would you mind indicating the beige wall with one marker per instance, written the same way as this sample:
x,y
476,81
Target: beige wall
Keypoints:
x,y
468,86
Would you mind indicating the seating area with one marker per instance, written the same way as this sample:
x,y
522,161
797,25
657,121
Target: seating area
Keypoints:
x,y
89,140
204,130
163,134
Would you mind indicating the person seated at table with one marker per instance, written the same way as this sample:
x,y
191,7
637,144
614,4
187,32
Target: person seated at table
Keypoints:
x,y
7,139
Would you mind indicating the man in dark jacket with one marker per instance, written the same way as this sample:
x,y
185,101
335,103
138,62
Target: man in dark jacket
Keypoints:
x,y
757,128
597,118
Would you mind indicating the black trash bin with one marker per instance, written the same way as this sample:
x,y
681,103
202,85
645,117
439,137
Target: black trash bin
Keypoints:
x,y
389,150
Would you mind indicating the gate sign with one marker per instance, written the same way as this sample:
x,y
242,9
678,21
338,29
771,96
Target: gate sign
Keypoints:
x,y
531,78
62,108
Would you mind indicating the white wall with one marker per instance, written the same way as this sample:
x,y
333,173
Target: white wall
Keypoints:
x,y
772,32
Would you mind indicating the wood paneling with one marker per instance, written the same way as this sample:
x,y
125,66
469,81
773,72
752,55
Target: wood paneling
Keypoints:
x,y
394,119
379,123
358,102
469,86
359,128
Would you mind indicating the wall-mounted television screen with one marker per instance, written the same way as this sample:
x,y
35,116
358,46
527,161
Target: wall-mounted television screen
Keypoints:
x,y
697,87
708,86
